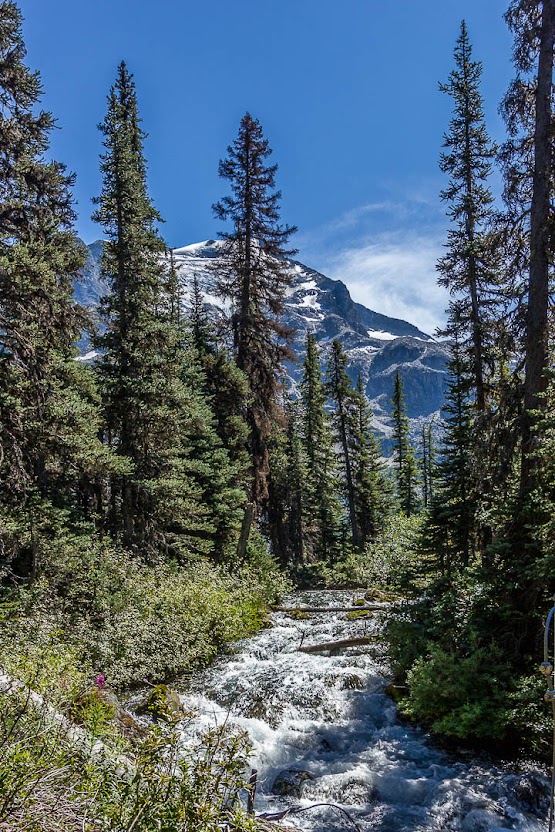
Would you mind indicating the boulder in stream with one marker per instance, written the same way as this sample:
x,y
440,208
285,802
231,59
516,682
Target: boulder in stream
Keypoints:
x,y
161,703
290,782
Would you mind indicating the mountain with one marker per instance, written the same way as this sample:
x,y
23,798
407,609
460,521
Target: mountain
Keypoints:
x,y
376,345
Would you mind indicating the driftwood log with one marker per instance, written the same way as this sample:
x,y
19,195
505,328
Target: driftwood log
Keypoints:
x,y
330,646
365,608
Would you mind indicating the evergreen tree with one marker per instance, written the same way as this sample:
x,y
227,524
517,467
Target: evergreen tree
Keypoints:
x,y
254,277
371,490
199,323
529,193
176,495
427,462
289,489
468,268
340,392
453,510
403,452
528,161
48,420
224,385
322,498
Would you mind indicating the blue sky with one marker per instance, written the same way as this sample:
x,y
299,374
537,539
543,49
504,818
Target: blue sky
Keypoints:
x,y
347,94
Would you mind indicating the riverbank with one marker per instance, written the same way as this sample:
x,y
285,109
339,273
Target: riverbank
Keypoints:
x,y
110,623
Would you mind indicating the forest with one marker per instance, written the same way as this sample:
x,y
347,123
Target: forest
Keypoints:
x,y
156,502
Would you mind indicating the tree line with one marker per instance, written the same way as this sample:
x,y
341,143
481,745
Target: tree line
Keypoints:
x,y
175,433
489,536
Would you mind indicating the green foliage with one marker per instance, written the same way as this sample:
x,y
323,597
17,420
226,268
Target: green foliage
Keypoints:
x,y
136,623
392,561
323,509
460,696
252,275
53,779
403,452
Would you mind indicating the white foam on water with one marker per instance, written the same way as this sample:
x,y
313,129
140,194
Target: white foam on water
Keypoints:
x,y
328,716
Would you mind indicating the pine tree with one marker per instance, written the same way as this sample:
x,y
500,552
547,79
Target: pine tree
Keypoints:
x,y
199,323
164,502
322,499
455,506
405,459
290,492
224,384
252,274
427,462
340,391
528,162
468,268
371,490
48,420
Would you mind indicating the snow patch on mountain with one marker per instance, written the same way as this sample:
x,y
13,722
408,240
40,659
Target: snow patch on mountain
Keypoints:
x,y
376,345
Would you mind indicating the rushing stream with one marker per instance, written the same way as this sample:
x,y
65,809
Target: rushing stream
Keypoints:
x,y
328,718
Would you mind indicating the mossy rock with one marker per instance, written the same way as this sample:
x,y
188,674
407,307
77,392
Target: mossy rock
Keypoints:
x,y
396,692
298,615
358,602
101,706
161,703
356,614
385,596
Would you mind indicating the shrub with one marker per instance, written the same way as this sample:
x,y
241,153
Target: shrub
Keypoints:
x,y
463,697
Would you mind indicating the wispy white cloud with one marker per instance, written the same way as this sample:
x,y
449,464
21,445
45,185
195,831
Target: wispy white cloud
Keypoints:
x,y
395,274
386,253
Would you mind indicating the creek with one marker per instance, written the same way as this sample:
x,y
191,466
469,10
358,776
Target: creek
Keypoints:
x,y
328,717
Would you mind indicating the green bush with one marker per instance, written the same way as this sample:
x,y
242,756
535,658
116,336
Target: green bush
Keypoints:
x,y
50,782
134,622
463,697
391,562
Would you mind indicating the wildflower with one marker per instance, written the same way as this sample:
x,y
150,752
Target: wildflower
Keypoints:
x,y
100,680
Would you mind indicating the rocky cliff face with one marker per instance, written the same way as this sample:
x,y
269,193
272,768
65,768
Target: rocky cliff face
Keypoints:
x,y
376,345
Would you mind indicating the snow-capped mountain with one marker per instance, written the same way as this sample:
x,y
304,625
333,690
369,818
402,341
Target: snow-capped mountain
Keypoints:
x,y
376,345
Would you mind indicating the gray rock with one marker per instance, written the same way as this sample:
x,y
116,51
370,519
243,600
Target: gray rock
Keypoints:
x,y
290,782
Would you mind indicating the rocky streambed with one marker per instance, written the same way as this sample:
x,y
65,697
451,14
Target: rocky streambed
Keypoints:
x,y
323,731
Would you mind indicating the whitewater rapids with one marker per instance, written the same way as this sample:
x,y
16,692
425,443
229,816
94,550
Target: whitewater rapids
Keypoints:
x,y
329,716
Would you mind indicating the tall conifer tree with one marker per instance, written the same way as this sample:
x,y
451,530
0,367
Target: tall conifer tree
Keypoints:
x,y
405,460
468,268
168,500
48,421
341,393
322,499
253,276
371,491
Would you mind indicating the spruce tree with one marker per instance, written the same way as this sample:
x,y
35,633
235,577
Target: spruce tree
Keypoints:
x,y
224,385
48,420
528,161
167,500
455,506
253,275
371,490
340,391
468,268
529,192
403,452
427,462
322,499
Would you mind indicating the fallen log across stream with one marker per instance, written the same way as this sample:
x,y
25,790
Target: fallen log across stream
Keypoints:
x,y
314,610
339,645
